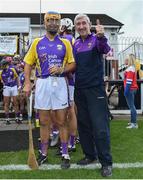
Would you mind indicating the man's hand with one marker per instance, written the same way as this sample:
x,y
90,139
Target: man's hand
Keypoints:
x,y
56,70
99,29
27,89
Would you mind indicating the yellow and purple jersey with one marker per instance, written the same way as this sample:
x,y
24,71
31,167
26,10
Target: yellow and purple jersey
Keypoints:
x,y
9,77
70,38
71,75
45,54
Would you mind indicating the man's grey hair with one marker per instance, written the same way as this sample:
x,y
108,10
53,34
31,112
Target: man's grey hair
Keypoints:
x,y
79,16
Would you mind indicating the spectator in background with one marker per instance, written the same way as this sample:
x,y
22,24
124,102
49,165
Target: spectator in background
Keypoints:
x,y
66,32
10,80
130,88
16,63
22,97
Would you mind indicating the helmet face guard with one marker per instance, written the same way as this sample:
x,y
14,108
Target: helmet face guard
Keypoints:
x,y
66,24
16,59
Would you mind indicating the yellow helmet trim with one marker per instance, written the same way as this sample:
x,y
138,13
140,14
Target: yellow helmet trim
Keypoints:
x,y
52,15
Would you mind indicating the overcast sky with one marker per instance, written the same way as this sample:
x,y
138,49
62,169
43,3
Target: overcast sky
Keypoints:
x,y
128,12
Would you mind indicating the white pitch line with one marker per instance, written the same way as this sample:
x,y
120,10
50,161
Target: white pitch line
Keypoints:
x,y
73,166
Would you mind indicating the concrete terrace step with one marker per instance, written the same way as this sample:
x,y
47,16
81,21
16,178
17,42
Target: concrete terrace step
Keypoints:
x,y
14,126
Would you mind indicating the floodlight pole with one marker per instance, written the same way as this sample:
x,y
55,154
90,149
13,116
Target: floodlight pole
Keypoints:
x,y
40,19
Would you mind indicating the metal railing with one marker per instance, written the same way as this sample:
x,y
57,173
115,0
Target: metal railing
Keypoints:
x,y
127,45
123,46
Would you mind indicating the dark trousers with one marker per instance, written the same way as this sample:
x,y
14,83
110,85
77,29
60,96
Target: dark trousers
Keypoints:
x,y
93,123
